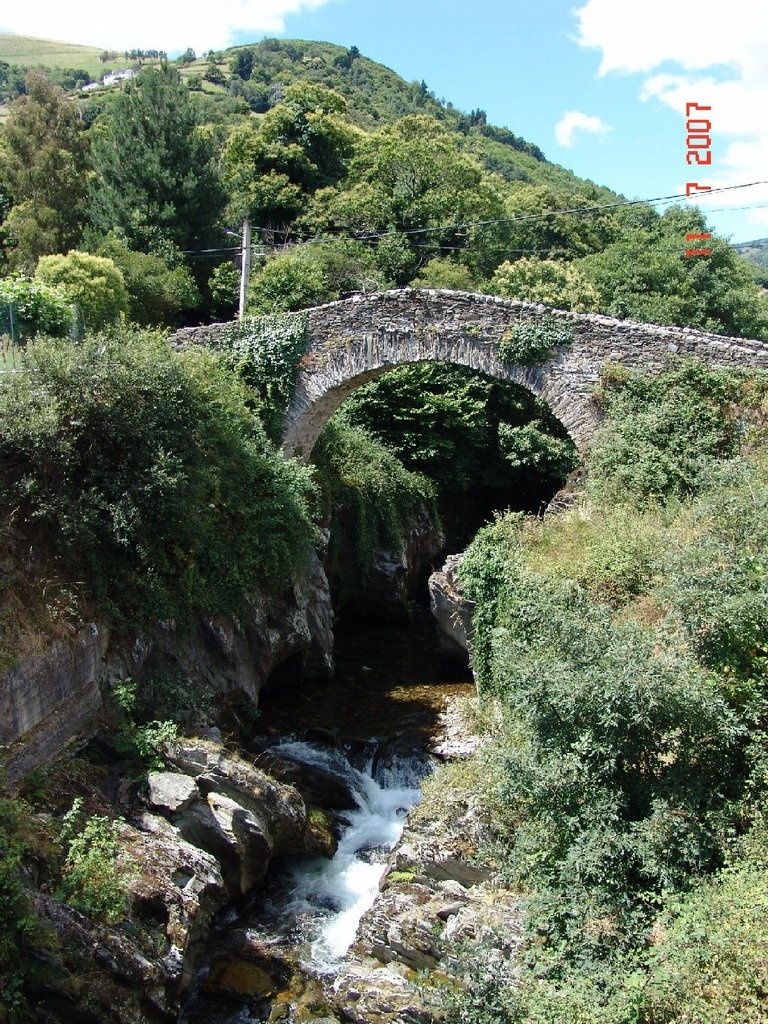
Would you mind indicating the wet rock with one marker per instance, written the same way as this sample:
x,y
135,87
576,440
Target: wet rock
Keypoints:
x,y
171,791
318,786
239,978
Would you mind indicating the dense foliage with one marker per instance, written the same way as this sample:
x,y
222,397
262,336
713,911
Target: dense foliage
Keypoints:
x,y
353,180
626,642
148,475
364,481
483,442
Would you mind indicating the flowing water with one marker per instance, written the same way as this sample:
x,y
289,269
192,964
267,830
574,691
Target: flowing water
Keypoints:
x,y
368,729
319,900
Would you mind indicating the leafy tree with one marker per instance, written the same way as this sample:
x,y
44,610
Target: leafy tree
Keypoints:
x,y
242,65
92,283
445,273
44,164
160,290
409,183
313,118
646,276
553,282
154,169
224,286
311,274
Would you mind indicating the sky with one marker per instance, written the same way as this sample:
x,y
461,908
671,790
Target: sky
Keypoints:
x,y
601,86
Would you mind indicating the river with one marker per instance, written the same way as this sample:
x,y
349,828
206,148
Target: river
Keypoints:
x,y
370,728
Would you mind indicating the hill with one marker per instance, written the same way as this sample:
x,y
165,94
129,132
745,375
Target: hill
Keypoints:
x,y
29,52
250,79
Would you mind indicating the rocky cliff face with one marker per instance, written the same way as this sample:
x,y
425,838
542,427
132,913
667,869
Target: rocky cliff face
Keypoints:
x,y
393,576
54,698
451,609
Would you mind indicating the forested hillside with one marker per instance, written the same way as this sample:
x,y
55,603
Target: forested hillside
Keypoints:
x,y
352,179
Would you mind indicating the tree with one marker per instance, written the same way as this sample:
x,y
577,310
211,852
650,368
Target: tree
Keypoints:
x,y
645,275
160,288
553,282
44,164
154,168
300,145
242,65
409,184
93,284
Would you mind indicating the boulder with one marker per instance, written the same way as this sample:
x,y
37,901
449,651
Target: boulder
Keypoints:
x,y
170,791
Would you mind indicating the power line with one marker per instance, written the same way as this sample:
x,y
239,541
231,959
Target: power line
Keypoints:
x,y
372,236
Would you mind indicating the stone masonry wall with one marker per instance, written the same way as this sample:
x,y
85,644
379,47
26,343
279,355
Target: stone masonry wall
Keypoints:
x,y
355,340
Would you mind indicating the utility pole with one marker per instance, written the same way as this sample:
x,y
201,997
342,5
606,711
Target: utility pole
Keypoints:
x,y
245,265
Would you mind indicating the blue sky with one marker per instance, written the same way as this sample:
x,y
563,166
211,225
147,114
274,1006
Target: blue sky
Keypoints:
x,y
614,75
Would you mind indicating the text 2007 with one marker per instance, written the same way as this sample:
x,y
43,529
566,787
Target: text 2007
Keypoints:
x,y
699,152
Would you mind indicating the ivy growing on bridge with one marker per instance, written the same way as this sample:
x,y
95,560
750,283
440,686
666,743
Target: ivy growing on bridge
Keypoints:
x,y
533,342
265,351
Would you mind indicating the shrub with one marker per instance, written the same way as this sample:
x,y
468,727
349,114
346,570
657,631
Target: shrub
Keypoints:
x,y
18,924
158,291
530,342
149,476
93,283
94,874
662,433
359,473
28,308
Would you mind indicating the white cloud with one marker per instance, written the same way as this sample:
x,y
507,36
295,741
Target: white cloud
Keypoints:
x,y
170,25
707,51
573,121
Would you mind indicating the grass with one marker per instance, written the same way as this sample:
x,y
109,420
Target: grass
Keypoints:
x,y
30,52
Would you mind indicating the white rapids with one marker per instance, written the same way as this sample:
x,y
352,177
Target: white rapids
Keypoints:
x,y
326,898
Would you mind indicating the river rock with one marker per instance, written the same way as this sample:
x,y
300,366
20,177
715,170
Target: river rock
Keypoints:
x,y
375,994
244,818
171,791
451,609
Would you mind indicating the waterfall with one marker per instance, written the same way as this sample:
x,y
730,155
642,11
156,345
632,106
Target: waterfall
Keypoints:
x,y
324,899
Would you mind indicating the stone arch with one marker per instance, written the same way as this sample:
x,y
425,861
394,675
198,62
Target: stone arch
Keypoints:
x,y
356,340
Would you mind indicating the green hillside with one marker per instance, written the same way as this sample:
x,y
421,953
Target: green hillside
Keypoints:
x,y
28,51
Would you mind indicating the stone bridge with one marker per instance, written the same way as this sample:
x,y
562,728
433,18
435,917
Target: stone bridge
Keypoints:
x,y
358,339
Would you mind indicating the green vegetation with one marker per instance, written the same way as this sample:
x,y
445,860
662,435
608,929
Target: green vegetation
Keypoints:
x,y
93,284
18,924
145,472
28,308
363,478
30,52
94,871
626,641
353,180
265,352
533,342
484,443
